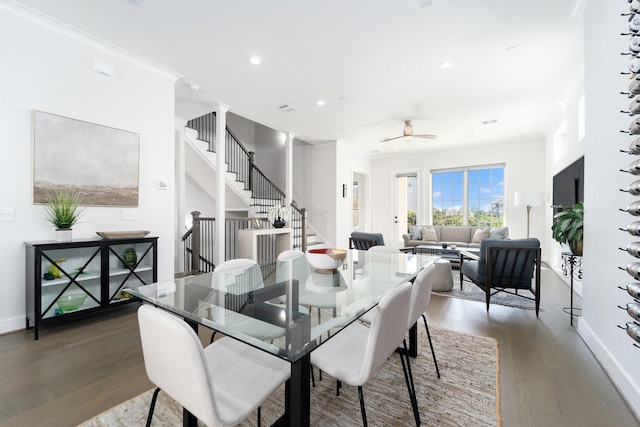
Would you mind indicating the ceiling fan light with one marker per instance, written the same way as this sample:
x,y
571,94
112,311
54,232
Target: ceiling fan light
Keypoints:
x,y
408,128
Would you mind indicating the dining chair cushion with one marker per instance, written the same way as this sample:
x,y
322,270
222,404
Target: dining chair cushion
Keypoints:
x,y
243,377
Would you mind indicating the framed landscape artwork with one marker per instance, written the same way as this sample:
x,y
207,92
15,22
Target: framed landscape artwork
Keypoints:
x,y
99,162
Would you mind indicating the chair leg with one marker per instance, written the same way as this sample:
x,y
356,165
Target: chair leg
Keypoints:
x,y
259,417
313,378
338,387
362,410
152,406
487,292
408,377
213,335
433,353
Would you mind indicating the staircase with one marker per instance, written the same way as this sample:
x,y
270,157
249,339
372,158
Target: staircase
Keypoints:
x,y
247,181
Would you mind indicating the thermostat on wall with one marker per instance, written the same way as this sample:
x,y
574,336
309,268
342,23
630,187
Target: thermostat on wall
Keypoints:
x,y
163,185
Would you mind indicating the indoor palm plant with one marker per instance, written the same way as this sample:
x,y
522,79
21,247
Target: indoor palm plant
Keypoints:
x,y
63,211
568,227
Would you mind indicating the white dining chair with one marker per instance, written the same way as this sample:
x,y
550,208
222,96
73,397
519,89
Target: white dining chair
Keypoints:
x,y
420,300
293,264
357,352
221,384
237,278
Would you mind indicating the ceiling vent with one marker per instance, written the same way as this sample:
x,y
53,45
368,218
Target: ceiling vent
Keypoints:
x,y
286,108
490,122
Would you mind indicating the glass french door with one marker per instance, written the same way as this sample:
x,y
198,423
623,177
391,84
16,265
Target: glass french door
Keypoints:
x,y
408,203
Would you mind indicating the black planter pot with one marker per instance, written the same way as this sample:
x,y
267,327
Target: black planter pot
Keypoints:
x,y
278,223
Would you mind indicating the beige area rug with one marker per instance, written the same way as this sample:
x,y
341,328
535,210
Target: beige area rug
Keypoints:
x,y
472,292
467,394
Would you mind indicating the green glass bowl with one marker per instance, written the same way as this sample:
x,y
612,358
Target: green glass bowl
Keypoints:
x,y
71,302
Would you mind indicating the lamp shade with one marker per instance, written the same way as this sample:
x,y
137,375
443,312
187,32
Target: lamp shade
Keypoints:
x,y
527,198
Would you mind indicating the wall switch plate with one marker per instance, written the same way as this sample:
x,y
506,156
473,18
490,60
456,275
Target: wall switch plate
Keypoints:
x,y
130,215
7,214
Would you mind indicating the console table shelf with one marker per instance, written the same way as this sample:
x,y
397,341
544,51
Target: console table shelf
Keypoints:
x,y
92,268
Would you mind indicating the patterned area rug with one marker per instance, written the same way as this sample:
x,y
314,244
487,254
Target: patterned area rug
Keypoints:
x,y
467,394
472,292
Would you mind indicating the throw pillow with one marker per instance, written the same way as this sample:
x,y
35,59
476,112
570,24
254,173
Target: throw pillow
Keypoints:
x,y
429,233
416,232
499,233
480,233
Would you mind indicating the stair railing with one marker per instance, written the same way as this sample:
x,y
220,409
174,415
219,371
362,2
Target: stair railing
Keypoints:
x,y
198,245
299,225
264,193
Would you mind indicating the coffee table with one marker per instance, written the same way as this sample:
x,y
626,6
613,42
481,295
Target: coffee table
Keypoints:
x,y
448,253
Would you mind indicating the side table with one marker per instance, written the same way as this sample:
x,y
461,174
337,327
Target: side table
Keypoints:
x,y
571,268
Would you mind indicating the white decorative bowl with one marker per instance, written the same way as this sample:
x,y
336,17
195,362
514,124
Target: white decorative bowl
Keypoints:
x,y
326,259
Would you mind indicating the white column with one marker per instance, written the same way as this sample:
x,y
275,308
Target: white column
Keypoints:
x,y
180,191
221,182
288,186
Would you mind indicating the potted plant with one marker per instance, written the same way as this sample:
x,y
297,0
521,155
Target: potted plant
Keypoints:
x,y
568,227
63,211
278,216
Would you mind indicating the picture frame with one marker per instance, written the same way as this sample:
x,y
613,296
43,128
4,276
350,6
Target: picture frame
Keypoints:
x,y
100,163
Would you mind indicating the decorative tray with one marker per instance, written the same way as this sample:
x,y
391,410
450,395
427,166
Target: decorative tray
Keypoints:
x,y
123,234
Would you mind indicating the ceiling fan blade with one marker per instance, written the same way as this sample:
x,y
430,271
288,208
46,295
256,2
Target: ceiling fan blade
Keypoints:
x,y
425,136
391,139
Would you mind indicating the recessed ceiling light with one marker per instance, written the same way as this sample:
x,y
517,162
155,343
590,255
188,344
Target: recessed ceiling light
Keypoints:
x,y
445,65
255,60
194,87
319,102
468,133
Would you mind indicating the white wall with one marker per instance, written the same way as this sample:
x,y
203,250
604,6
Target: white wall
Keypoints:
x,y
243,129
603,83
349,161
316,165
271,155
48,68
524,171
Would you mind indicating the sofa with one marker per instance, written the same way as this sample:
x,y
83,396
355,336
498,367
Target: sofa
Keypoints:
x,y
461,236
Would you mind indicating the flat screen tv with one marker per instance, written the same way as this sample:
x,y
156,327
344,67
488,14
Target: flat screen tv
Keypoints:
x,y
568,186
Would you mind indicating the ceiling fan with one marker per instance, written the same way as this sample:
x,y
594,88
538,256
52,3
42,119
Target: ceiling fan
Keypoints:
x,y
408,133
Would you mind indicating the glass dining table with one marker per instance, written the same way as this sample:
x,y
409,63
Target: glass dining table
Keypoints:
x,y
272,307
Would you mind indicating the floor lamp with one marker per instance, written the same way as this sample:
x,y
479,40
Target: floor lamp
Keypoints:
x,y
528,199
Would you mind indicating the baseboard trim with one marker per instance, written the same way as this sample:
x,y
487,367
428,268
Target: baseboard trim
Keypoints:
x,y
13,324
629,390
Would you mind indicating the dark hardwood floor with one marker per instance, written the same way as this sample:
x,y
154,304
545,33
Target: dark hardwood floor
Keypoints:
x,y
548,376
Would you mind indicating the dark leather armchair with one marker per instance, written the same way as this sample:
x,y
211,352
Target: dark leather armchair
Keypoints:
x,y
504,266
363,241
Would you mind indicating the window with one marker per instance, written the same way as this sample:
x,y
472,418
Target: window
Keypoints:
x,y
469,196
